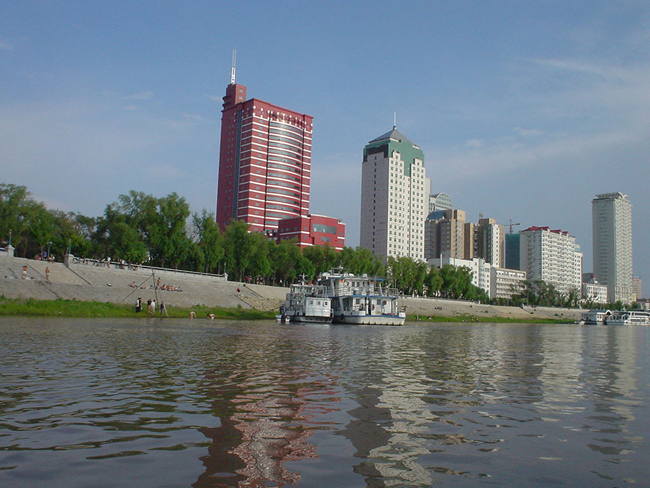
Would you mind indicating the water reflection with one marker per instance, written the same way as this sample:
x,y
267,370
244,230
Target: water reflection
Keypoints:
x,y
264,401
248,404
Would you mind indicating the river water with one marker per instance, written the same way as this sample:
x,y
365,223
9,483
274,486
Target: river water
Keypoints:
x,y
180,403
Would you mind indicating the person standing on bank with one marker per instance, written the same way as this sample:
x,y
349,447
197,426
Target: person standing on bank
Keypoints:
x,y
138,305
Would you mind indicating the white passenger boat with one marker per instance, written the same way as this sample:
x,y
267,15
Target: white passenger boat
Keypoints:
x,y
595,317
306,303
362,299
629,317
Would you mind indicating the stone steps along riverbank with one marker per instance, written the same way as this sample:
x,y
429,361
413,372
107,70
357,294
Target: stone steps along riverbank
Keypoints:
x,y
86,282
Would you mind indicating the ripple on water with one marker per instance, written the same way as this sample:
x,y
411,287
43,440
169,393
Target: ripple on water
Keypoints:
x,y
209,404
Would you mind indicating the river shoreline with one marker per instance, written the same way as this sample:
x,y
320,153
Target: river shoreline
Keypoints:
x,y
203,294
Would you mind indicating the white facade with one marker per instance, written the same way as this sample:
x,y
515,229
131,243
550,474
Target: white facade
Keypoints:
x,y
478,267
394,197
496,282
594,292
612,245
504,283
551,256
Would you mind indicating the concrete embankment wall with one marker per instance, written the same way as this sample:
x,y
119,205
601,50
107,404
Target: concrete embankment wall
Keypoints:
x,y
87,282
441,307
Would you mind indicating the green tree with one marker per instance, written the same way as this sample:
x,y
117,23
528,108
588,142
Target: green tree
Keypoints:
x,y
260,262
210,242
238,247
285,258
359,261
323,258
69,233
433,282
110,238
13,203
169,243
40,226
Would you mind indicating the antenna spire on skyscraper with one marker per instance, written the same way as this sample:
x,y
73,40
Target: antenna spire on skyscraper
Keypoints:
x,y
394,120
232,69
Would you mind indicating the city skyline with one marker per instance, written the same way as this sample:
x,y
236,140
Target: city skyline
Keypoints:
x,y
524,111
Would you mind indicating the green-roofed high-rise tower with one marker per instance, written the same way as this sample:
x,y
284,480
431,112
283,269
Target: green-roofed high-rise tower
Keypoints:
x,y
394,197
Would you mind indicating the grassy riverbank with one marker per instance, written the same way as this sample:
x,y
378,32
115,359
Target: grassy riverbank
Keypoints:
x,y
75,308
486,319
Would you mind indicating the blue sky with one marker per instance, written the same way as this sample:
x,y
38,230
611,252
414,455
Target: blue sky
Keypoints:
x,y
524,109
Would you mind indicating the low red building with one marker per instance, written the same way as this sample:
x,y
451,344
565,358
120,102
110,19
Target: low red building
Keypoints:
x,y
313,230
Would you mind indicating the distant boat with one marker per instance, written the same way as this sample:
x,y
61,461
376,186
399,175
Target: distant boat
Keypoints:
x,y
363,300
306,303
630,317
595,317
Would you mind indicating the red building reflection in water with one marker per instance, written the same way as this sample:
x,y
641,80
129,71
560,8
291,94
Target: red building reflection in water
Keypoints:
x,y
262,428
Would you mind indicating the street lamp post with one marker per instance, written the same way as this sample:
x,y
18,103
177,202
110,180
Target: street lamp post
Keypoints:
x,y
49,245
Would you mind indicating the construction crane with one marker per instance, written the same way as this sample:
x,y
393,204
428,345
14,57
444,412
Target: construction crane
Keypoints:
x,y
512,225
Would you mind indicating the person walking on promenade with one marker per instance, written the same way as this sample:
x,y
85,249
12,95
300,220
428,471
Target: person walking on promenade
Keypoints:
x,y
25,272
47,274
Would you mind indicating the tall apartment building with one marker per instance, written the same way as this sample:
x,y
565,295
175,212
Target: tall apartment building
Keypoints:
x,y
489,242
394,197
264,162
551,256
447,234
611,218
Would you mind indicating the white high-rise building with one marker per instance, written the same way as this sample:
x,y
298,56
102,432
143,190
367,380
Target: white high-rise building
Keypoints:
x,y
611,217
551,256
394,197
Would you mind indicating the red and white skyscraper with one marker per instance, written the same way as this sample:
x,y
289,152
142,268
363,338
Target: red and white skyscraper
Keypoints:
x,y
264,162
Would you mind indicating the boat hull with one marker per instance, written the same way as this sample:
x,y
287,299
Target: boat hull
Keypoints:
x,y
370,319
307,319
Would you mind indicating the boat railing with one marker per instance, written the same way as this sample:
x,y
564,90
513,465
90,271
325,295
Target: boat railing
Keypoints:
x,y
317,291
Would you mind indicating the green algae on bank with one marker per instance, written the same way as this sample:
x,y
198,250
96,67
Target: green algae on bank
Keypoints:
x,y
76,308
